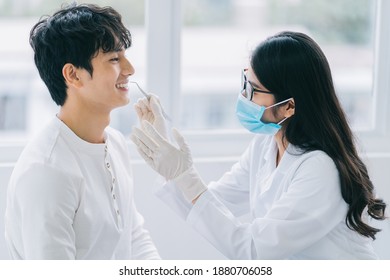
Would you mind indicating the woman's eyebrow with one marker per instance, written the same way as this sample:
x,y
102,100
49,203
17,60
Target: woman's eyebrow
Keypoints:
x,y
256,86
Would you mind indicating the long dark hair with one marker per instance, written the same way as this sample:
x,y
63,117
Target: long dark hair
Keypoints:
x,y
291,64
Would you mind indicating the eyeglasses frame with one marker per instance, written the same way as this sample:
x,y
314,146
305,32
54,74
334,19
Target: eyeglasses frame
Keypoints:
x,y
244,87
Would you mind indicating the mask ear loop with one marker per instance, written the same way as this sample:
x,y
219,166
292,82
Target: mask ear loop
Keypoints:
x,y
281,102
279,123
276,104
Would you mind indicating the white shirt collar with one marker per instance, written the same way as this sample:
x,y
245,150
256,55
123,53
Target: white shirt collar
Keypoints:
x,y
79,143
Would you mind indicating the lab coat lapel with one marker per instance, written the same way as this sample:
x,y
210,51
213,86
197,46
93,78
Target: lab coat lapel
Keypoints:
x,y
272,187
269,164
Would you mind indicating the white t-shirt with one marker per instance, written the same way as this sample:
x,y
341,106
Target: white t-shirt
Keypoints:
x,y
70,199
295,209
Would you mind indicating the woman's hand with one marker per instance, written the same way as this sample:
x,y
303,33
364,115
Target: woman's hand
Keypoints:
x,y
173,163
151,111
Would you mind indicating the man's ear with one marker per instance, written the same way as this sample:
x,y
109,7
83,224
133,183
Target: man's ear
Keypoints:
x,y
69,71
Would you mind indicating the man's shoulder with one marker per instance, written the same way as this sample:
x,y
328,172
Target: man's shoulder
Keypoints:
x,y
46,149
40,147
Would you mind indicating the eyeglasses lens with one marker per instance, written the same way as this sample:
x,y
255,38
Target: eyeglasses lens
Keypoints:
x,y
246,88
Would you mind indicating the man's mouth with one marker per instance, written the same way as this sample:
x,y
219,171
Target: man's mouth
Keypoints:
x,y
122,86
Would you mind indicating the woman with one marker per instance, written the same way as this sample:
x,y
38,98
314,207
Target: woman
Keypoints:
x,y
301,179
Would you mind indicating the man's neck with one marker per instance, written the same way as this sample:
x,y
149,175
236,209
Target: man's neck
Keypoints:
x,y
85,124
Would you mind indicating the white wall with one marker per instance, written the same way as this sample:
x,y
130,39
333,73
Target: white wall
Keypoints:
x,y
379,167
5,172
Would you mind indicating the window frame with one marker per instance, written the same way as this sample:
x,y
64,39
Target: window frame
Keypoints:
x,y
377,139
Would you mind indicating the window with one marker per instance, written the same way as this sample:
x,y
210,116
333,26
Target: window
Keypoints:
x,y
190,53
218,36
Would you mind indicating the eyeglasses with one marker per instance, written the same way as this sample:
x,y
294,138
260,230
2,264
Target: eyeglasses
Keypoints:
x,y
247,89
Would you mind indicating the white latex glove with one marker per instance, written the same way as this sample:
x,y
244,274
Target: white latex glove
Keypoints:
x,y
171,162
150,110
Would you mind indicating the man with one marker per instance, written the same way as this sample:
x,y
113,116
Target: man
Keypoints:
x,y
71,193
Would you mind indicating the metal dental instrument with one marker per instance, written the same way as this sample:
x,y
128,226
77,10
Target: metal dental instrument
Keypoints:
x,y
147,95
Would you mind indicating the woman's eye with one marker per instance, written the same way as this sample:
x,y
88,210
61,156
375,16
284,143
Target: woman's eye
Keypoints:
x,y
115,59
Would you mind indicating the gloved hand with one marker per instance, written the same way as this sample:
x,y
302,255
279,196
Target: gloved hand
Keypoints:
x,y
162,156
171,162
151,111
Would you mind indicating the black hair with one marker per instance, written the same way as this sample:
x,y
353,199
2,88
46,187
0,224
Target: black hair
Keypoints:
x,y
75,34
291,64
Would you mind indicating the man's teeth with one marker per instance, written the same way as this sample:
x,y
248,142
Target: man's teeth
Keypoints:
x,y
122,86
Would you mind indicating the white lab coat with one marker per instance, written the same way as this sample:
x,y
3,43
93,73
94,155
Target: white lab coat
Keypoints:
x,y
296,209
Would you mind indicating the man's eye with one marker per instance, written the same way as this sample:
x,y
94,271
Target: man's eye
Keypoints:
x,y
115,59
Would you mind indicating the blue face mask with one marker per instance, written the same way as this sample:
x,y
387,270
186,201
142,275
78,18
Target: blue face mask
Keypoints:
x,y
250,114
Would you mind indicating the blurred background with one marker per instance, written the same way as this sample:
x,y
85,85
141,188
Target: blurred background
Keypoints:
x,y
217,37
191,54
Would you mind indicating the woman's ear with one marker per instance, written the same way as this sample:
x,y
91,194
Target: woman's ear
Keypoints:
x,y
290,108
69,71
